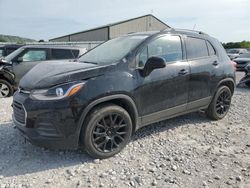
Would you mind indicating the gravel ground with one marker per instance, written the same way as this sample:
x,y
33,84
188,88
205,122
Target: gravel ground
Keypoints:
x,y
187,151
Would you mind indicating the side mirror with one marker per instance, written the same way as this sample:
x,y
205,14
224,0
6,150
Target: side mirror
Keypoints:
x,y
151,64
20,59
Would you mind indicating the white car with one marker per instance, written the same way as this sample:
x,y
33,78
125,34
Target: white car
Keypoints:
x,y
235,52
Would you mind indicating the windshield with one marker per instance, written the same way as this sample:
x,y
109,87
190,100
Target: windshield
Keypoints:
x,y
233,51
11,56
112,50
247,55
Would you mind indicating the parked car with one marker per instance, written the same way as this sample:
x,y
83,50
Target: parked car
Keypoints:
x,y
17,64
8,49
235,52
120,86
245,80
242,61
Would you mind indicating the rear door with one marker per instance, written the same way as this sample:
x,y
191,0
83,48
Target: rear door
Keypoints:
x,y
203,64
165,91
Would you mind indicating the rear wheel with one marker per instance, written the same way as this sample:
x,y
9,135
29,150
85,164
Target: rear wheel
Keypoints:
x,y
107,131
6,89
220,104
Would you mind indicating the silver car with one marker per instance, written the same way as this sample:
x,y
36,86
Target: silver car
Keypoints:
x,y
14,66
235,52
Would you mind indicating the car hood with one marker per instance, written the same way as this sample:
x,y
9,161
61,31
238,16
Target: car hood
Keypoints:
x,y
242,59
49,74
232,54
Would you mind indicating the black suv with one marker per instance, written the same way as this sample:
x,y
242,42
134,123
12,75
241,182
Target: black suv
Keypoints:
x,y
14,66
120,86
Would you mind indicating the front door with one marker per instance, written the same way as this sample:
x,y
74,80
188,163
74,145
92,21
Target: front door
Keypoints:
x,y
26,61
165,91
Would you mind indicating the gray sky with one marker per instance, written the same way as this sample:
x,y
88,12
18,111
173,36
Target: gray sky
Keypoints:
x,y
227,20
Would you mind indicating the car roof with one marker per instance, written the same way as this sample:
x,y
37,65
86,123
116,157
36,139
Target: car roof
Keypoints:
x,y
12,45
52,47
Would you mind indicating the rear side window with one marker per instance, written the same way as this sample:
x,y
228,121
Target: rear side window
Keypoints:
x,y
196,48
211,50
61,54
76,53
167,47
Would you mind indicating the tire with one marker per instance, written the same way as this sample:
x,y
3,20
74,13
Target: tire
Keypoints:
x,y
106,131
220,104
6,89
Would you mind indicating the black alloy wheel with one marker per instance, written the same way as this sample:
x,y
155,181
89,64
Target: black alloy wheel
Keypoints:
x,y
223,102
108,130
220,104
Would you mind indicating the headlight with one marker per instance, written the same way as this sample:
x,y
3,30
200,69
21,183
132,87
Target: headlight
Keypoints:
x,y
57,92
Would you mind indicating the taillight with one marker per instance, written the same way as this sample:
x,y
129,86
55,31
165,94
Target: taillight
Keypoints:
x,y
234,65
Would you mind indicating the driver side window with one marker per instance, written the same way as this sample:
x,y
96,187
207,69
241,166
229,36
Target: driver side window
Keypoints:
x,y
34,55
167,47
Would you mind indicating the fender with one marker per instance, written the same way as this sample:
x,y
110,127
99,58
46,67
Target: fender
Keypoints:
x,y
7,75
225,80
128,99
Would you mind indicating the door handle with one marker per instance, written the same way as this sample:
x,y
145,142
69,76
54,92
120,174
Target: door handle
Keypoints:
x,y
183,72
215,63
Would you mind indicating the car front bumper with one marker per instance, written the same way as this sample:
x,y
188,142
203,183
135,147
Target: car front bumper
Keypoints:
x,y
49,124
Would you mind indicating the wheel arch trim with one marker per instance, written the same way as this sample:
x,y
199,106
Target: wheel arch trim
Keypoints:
x,y
109,98
7,76
227,80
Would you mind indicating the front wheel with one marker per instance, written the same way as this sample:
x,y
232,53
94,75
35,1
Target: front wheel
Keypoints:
x,y
6,89
220,104
106,131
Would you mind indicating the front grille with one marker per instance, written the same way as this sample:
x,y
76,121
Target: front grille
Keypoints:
x,y
19,112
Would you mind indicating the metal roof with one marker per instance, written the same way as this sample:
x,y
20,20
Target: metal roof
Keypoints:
x,y
110,25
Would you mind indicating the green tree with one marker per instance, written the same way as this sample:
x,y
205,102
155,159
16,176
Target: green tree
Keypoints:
x,y
243,44
2,40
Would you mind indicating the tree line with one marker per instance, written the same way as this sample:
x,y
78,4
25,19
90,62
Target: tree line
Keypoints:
x,y
243,44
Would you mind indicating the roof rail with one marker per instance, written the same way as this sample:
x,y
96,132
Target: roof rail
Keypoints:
x,y
190,30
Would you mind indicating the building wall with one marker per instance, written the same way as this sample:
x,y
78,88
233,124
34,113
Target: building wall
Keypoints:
x,y
148,23
61,39
94,35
